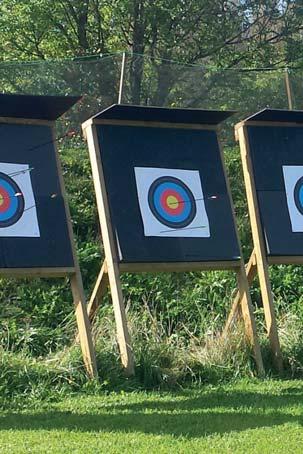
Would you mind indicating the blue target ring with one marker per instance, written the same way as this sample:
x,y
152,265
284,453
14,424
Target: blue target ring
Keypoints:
x,y
298,195
11,201
172,202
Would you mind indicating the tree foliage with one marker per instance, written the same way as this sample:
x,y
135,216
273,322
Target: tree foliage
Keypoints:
x,y
217,33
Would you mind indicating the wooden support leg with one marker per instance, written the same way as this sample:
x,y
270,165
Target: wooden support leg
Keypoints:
x,y
248,317
269,312
251,271
259,248
99,291
123,337
110,252
85,336
102,283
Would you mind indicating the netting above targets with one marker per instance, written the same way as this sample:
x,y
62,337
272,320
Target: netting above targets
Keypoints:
x,y
166,186
33,223
277,165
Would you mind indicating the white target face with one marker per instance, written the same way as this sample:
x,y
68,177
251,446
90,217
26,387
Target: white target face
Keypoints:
x,y
171,202
18,215
293,180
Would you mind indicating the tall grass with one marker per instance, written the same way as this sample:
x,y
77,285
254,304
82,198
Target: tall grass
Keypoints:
x,y
164,360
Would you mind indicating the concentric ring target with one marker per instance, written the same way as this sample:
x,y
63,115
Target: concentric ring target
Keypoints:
x,y
11,201
172,202
298,195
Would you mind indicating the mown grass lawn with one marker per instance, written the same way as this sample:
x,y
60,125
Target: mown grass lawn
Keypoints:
x,y
246,417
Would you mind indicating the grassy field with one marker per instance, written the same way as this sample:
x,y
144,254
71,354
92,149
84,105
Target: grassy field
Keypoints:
x,y
245,417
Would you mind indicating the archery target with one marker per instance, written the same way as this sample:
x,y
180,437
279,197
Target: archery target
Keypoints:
x,y
18,216
293,180
171,202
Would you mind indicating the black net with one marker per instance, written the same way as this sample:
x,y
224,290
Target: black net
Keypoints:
x,y
150,82
164,83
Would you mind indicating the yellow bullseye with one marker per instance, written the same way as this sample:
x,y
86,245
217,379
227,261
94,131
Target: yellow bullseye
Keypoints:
x,y
172,202
1,199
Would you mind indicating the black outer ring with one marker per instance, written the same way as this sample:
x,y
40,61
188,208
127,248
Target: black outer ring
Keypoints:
x,y
20,209
174,225
298,186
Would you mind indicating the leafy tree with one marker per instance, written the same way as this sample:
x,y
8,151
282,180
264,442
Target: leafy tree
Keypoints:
x,y
218,33
47,29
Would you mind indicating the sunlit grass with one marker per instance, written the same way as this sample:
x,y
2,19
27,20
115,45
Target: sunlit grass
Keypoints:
x,y
249,416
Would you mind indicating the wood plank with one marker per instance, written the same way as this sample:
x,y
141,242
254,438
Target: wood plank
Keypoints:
x,y
153,124
288,89
86,124
36,272
85,336
110,252
244,295
99,291
280,124
259,248
251,272
285,260
179,267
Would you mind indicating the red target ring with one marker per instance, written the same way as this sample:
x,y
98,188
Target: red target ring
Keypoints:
x,y
11,201
172,202
4,200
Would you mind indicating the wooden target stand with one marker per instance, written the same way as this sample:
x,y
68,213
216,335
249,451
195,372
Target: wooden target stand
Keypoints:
x,y
112,269
260,259
47,107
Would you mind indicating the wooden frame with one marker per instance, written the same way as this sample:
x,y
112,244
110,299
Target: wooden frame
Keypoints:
x,y
73,273
111,268
259,261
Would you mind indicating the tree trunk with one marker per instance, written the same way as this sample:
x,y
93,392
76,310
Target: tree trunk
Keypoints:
x,y
82,26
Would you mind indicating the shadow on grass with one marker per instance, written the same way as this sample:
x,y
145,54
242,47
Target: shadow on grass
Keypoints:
x,y
204,415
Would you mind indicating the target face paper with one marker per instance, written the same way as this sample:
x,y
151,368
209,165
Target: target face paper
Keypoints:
x,y
18,215
293,180
171,202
